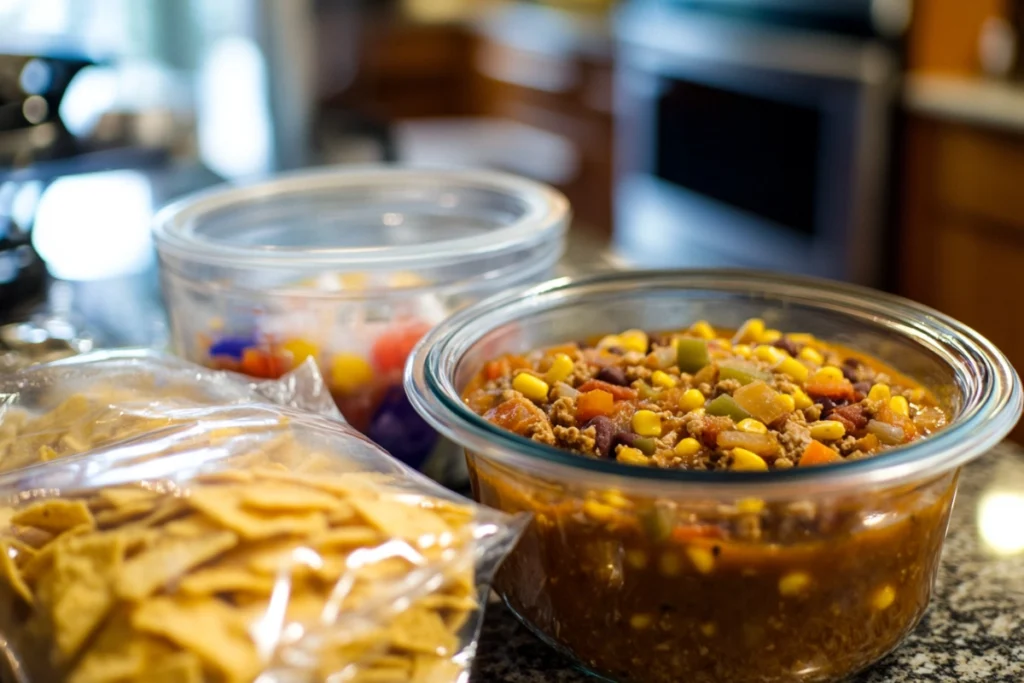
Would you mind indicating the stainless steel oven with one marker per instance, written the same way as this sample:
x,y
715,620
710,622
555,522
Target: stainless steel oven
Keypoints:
x,y
753,139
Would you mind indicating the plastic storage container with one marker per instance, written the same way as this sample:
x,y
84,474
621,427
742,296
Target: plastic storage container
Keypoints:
x,y
616,569
351,266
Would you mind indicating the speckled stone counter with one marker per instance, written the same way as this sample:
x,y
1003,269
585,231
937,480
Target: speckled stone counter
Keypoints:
x,y
973,631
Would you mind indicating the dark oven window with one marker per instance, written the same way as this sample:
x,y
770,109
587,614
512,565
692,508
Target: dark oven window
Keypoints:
x,y
751,153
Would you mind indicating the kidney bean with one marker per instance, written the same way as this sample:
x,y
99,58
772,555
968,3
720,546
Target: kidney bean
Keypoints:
x,y
787,345
604,434
613,375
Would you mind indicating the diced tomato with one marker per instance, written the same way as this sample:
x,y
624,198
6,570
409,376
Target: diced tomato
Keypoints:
x,y
868,444
393,347
619,393
713,426
852,416
836,390
683,534
818,453
590,404
496,368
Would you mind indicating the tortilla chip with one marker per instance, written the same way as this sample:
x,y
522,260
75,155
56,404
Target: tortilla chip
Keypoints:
x,y
126,496
167,560
10,573
119,515
183,667
54,515
82,593
225,477
211,629
348,537
399,521
284,497
420,630
116,654
226,580
224,507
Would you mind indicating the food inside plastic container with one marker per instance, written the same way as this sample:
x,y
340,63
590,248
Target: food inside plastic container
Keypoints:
x,y
294,551
350,268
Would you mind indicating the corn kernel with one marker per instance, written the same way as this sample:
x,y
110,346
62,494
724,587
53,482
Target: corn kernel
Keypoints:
x,y
610,341
708,629
634,340
751,426
769,354
829,373
533,388
616,499
640,621
702,329
702,559
747,461
898,405
879,392
350,372
631,456
742,350
884,597
687,447
691,400
750,506
793,583
801,338
793,368
811,356
637,559
787,402
750,331
827,430
662,379
802,400
669,564
917,395
560,370
770,336
647,423
598,511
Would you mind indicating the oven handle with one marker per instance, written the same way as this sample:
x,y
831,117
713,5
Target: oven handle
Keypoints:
x,y
675,36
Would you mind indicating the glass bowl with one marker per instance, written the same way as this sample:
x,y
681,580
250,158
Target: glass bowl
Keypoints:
x,y
350,266
618,568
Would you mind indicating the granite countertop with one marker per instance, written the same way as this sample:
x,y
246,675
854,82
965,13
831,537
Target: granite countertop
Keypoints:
x,y
973,631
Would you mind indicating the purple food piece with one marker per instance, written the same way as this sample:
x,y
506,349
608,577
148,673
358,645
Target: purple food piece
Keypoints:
x,y
231,347
399,429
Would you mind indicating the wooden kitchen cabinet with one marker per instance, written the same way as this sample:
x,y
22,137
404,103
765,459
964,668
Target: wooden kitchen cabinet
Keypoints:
x,y
962,246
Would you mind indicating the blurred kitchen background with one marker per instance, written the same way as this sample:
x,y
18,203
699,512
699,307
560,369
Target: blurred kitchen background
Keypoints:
x,y
874,141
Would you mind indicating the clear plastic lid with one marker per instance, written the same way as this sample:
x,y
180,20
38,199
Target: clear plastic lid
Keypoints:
x,y
384,218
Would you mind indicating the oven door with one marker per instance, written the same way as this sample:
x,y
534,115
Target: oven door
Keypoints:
x,y
749,146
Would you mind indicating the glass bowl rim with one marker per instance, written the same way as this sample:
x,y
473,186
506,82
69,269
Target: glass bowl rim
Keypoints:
x,y
991,408
546,217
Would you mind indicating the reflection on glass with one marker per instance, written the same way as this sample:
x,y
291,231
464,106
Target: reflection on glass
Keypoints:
x,y
1001,522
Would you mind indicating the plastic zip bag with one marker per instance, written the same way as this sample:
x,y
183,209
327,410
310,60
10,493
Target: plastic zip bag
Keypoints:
x,y
264,544
99,399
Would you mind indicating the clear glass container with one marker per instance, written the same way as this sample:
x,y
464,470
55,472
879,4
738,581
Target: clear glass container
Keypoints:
x,y
350,266
621,567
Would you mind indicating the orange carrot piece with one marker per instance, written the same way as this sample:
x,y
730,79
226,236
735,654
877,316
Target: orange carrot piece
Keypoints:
x,y
818,453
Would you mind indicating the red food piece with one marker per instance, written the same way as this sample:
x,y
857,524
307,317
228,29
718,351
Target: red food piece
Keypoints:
x,y
818,453
392,348
619,393
853,417
516,415
712,427
837,390
591,404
